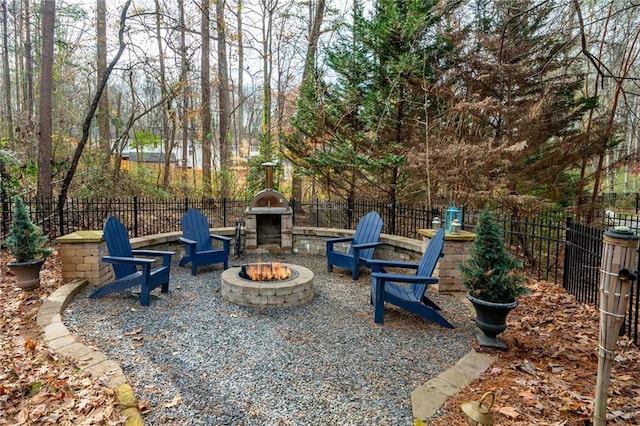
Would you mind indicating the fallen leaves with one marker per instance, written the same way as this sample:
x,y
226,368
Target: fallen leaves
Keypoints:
x,y
37,387
548,376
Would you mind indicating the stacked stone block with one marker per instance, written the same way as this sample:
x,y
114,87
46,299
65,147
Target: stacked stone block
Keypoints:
x,y
456,250
80,254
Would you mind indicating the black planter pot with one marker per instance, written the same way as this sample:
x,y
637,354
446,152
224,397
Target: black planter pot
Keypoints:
x,y
27,273
491,319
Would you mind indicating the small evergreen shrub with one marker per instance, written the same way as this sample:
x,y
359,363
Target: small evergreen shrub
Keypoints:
x,y
491,274
26,241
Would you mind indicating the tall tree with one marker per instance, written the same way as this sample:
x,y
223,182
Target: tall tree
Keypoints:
x,y
309,83
7,78
611,55
45,150
101,67
28,54
239,111
168,129
362,123
184,83
224,102
86,125
514,128
267,10
205,89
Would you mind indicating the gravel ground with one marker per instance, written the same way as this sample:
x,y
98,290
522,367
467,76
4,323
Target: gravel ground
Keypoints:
x,y
194,359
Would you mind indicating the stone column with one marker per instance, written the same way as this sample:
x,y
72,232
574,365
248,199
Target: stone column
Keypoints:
x,y
80,254
456,250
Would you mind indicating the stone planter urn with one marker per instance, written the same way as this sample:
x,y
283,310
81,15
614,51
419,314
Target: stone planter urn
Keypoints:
x,y
491,319
27,273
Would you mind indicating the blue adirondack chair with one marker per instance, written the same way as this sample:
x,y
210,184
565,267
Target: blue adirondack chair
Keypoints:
x,y
198,242
410,294
129,269
363,244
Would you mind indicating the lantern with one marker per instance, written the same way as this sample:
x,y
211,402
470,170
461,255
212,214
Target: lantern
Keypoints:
x,y
450,214
456,226
435,223
477,413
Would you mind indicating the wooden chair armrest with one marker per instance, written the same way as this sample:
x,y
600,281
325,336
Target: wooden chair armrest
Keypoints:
x,y
339,240
378,264
187,241
367,245
411,279
156,253
132,260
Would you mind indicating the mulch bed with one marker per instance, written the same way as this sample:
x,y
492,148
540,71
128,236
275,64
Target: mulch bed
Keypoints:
x,y
36,386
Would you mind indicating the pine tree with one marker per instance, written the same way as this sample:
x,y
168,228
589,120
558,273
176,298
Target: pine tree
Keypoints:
x,y
26,242
367,115
491,274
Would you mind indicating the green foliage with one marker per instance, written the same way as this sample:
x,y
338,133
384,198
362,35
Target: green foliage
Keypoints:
x,y
145,138
491,274
26,240
356,128
9,173
35,388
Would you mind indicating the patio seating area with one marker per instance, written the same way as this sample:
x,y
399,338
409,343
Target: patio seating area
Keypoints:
x,y
223,363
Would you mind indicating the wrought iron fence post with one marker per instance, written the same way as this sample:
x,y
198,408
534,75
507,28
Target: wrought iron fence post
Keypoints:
x,y
292,202
349,212
135,216
317,213
61,215
224,211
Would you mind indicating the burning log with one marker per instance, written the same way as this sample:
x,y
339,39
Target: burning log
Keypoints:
x,y
265,271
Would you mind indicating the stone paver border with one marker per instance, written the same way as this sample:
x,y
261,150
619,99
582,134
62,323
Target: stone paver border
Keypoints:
x,y
96,363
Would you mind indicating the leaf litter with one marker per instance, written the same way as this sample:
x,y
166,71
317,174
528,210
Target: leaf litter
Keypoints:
x,y
36,386
548,376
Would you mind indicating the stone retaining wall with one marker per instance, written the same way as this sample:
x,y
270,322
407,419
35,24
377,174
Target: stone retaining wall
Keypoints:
x,y
80,252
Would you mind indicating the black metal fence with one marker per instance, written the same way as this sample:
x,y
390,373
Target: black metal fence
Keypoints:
x,y
553,248
538,241
583,254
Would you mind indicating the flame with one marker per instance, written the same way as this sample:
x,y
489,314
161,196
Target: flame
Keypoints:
x,y
268,271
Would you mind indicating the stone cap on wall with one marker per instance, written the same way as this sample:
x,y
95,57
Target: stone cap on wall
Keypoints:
x,y
81,237
461,236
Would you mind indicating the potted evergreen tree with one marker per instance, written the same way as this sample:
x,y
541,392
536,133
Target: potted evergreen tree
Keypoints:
x,y
27,244
494,280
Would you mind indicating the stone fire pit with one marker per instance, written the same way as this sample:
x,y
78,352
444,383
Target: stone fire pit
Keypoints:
x,y
293,291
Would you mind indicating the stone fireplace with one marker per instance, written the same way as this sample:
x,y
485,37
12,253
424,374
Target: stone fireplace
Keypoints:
x,y
269,220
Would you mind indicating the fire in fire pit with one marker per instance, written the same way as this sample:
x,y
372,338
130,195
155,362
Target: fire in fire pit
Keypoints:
x,y
265,271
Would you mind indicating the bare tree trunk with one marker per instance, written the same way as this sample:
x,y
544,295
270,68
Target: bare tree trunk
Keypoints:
x,y
86,125
223,98
7,79
267,28
316,17
101,66
167,138
239,115
45,190
185,86
28,54
206,101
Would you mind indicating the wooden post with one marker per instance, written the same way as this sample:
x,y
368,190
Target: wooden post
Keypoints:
x,y
618,260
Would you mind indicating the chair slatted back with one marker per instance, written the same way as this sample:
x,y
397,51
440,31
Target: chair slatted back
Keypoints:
x,y
367,231
195,226
117,238
430,258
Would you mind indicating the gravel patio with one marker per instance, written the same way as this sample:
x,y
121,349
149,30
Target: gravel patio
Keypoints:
x,y
194,359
